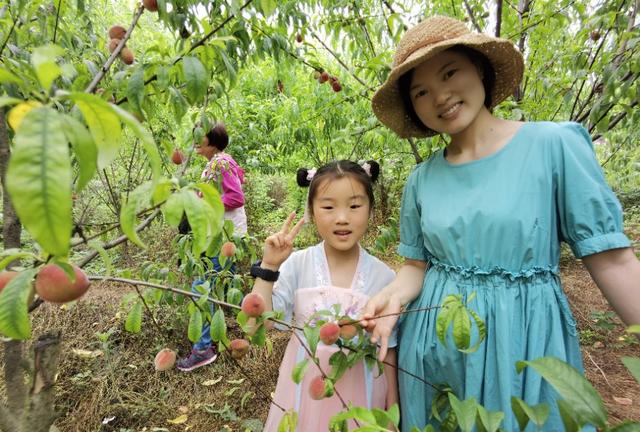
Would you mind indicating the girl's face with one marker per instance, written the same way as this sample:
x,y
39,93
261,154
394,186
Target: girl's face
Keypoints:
x,y
341,212
447,92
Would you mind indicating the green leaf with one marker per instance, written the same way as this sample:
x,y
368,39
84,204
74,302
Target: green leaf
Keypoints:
x,y
196,78
83,147
299,371
7,77
566,414
138,200
44,63
10,255
145,137
634,328
218,326
135,89
106,259
461,328
196,214
633,364
133,323
6,100
195,326
465,412
488,421
538,414
573,387
173,209
627,426
312,334
103,124
482,332
268,6
14,313
39,180
338,362
212,197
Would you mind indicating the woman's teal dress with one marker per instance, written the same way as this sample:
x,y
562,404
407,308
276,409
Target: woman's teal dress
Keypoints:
x,y
493,227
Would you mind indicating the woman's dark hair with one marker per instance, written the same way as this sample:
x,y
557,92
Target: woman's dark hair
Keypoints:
x,y
476,57
339,169
218,137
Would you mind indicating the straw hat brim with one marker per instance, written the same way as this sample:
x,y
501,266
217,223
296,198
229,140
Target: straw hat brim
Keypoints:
x,y
505,59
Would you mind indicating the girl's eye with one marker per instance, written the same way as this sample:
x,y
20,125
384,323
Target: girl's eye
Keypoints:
x,y
420,93
355,206
450,73
327,208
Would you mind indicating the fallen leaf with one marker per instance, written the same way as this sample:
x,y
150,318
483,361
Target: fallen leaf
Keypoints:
x,y
622,400
178,420
212,382
237,381
86,353
183,409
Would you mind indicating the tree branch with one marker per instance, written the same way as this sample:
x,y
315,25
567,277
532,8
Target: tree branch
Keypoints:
x,y
7,422
94,83
498,17
15,386
364,84
472,17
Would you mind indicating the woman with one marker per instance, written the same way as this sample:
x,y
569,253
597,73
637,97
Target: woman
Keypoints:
x,y
486,215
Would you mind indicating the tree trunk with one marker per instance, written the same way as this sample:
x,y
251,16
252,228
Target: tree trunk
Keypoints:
x,y
11,227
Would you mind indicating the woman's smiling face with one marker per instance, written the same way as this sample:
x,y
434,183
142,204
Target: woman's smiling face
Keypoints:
x,y
447,92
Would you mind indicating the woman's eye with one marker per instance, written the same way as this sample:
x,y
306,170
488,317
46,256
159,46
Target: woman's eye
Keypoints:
x,y
450,73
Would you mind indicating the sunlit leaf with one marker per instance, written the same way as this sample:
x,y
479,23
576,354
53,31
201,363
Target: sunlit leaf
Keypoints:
x,y
84,149
39,180
196,78
44,63
14,315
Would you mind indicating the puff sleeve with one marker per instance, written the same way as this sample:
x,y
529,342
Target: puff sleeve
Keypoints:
x,y
590,215
283,292
411,238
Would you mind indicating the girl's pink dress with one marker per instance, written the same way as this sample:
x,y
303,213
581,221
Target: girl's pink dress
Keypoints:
x,y
359,385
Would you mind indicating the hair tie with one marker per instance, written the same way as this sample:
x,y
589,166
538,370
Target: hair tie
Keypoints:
x,y
367,168
311,173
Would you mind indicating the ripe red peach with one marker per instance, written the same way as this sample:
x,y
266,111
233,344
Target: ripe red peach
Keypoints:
x,y
126,55
165,359
329,333
150,5
253,305
177,157
53,284
324,77
317,388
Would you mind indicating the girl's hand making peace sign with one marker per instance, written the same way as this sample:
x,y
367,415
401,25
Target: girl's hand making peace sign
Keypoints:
x,y
278,246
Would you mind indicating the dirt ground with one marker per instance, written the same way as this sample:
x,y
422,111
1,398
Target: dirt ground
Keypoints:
x,y
107,381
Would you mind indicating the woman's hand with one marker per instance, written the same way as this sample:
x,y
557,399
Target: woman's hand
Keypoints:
x,y
388,307
278,246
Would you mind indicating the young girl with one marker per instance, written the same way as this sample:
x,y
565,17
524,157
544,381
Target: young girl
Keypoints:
x,y
486,215
336,271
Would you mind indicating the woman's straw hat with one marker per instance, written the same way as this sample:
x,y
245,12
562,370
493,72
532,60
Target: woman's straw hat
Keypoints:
x,y
425,40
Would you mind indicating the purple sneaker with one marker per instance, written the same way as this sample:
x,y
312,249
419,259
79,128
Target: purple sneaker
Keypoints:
x,y
197,359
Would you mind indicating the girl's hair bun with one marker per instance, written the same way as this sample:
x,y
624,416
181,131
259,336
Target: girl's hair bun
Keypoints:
x,y
374,170
302,177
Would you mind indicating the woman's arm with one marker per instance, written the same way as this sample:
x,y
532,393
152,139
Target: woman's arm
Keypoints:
x,y
404,288
391,372
617,274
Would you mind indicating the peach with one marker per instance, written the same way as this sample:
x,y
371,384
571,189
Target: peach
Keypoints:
x,y
177,157
239,348
253,305
150,5
126,55
53,284
347,330
5,277
228,249
336,86
329,333
113,44
117,32
324,77
317,388
165,359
